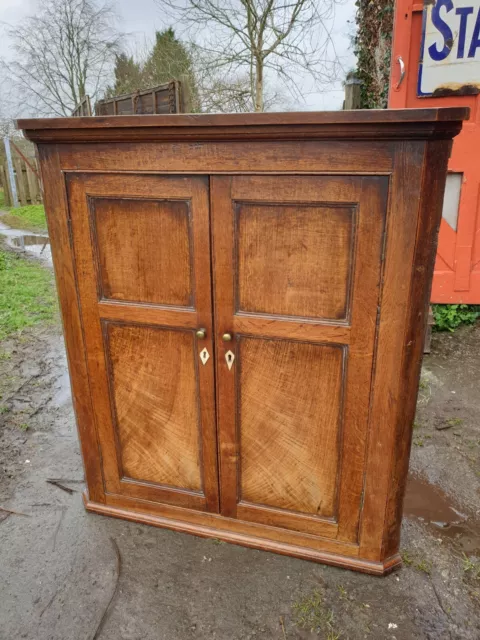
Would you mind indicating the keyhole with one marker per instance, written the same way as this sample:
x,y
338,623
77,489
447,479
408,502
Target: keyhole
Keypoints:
x,y
229,358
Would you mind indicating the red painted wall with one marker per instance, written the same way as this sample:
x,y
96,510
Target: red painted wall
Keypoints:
x,y
457,268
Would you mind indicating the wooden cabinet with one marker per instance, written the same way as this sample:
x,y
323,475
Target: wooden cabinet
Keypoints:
x,y
244,343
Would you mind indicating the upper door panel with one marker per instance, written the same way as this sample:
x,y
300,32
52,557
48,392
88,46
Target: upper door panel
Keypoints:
x,y
294,260
144,250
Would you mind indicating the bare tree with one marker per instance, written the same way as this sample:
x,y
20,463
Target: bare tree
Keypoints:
x,y
219,94
224,93
290,38
62,53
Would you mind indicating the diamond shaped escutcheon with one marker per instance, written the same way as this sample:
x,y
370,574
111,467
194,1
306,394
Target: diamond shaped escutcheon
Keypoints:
x,y
229,358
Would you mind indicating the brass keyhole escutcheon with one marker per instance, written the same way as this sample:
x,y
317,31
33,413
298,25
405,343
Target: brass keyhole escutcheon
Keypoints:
x,y
227,337
201,333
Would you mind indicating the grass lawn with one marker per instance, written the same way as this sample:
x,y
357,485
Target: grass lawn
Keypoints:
x,y
31,217
27,294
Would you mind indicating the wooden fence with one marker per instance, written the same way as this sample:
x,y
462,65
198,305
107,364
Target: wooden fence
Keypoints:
x,y
166,98
26,180
83,109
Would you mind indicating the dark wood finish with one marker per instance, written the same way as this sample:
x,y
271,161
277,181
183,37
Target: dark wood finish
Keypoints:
x,y
323,230
370,125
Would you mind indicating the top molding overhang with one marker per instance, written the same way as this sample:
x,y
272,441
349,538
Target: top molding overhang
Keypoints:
x,y
374,124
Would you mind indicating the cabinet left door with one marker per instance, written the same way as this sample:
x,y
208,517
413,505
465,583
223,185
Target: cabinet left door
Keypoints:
x,y
141,246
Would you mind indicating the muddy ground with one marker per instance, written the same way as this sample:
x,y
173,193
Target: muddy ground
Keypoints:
x,y
66,574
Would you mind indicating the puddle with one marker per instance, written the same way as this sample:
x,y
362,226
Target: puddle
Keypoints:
x,y
63,394
34,244
433,507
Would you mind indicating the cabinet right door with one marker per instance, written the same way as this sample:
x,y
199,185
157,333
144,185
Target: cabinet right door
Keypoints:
x,y
297,268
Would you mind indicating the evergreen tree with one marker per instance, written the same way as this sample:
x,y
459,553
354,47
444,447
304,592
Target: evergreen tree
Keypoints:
x,y
168,60
128,76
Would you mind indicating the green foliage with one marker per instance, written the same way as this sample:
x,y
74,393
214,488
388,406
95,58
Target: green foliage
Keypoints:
x,y
449,316
373,44
471,566
169,59
27,294
128,76
31,218
412,559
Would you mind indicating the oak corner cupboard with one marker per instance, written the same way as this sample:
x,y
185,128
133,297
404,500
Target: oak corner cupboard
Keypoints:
x,y
243,300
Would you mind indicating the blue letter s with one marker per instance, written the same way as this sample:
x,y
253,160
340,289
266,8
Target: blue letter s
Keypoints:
x,y
444,29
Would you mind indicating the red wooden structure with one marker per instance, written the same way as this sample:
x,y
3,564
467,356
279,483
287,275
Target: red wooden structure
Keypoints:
x,y
457,268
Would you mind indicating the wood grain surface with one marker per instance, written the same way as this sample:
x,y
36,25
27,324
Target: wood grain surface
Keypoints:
x,y
290,410
368,124
258,488
310,240
144,250
294,260
154,395
156,404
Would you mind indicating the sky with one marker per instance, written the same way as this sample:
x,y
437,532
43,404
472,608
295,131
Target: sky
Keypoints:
x,y
140,18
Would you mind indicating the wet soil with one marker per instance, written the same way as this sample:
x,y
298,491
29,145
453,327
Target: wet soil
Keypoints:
x,y
29,243
434,508
61,567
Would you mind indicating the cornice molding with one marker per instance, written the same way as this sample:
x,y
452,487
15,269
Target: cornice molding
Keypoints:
x,y
416,124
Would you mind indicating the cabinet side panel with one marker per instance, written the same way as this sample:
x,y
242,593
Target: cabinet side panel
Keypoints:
x,y
388,393
58,228
430,201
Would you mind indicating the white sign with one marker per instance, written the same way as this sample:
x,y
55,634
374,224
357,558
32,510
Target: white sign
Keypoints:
x,y
450,55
